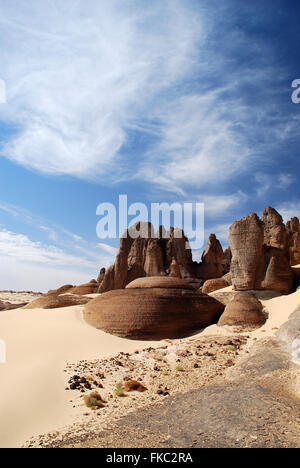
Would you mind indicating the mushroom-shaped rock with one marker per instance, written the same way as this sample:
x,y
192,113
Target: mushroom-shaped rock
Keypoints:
x,y
153,309
159,282
57,302
244,310
214,285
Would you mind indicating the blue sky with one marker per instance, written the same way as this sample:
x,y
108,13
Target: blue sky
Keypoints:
x,y
165,101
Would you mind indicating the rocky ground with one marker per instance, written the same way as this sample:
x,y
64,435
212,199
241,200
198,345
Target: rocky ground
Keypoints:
x,y
171,370
10,300
18,297
222,397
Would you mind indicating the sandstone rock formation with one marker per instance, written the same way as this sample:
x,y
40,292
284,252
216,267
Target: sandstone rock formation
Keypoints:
x,y
296,277
293,234
8,306
174,243
228,278
175,269
84,289
289,334
245,310
163,282
227,296
101,276
144,312
246,240
259,253
259,257
143,253
214,284
274,271
61,290
226,262
55,302
212,258
275,234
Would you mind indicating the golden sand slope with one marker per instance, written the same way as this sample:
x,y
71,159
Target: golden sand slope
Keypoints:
x,y
32,382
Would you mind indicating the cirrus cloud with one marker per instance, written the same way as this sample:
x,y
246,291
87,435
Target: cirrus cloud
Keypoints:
x,y
75,87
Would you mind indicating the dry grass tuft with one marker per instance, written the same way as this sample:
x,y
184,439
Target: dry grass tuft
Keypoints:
x,y
134,386
94,401
179,369
119,392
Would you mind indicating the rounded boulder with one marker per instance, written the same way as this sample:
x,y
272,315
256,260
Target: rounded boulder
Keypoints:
x,y
144,312
57,302
214,285
243,310
165,282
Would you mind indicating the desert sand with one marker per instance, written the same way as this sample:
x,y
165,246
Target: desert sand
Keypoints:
x,y
41,343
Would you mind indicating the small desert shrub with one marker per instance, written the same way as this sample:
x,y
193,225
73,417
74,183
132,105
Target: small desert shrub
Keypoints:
x,y
119,392
179,369
134,386
231,348
94,401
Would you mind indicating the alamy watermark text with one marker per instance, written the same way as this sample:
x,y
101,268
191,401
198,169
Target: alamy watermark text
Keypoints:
x,y
296,93
186,217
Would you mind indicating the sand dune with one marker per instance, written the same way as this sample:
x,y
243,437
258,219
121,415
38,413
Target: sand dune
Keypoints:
x,y
39,343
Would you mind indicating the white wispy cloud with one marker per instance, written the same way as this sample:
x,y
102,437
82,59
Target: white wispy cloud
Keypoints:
x,y
222,204
20,247
55,232
76,85
108,248
289,210
265,182
81,76
73,258
26,276
27,264
51,233
198,143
